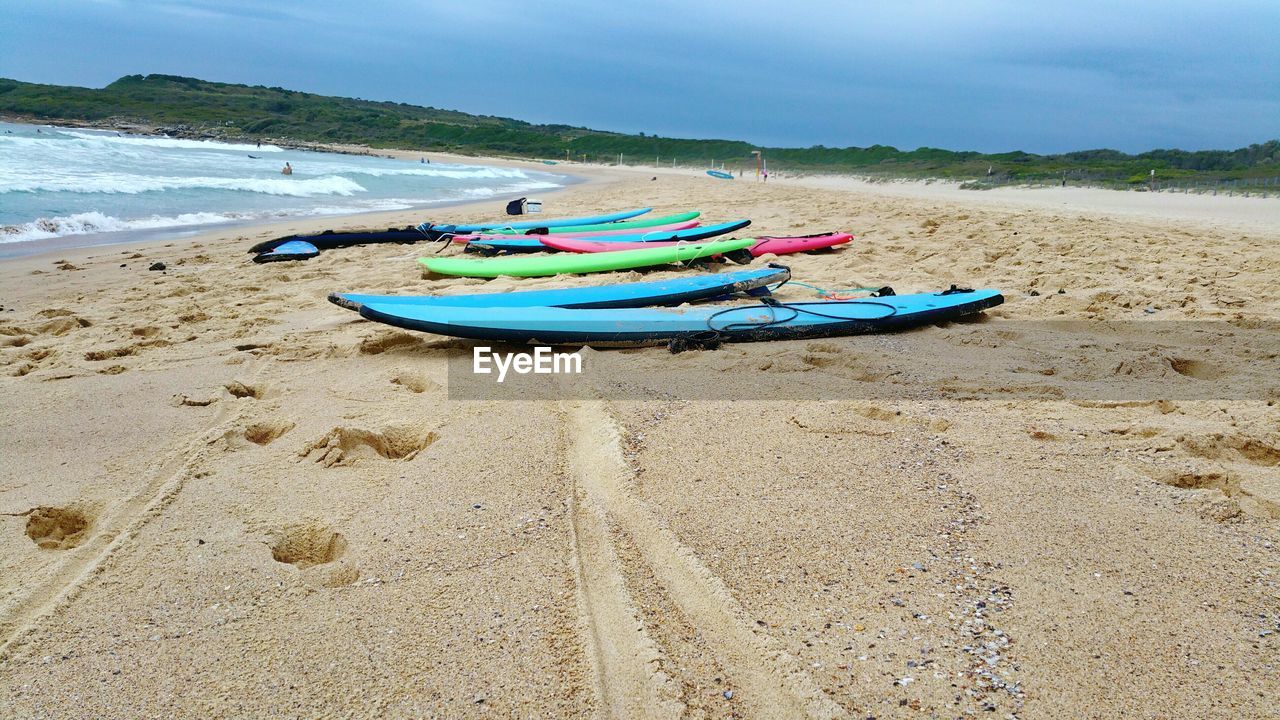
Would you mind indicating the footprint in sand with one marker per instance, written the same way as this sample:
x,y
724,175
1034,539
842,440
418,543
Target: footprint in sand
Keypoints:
x,y
1198,369
58,528
308,544
125,351
267,431
413,381
317,550
1232,447
344,445
59,326
242,389
383,342
262,432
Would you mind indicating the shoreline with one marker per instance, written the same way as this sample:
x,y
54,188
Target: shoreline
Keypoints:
x,y
582,175
310,223
251,232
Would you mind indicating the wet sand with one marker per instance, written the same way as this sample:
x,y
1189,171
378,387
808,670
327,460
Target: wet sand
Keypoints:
x,y
222,496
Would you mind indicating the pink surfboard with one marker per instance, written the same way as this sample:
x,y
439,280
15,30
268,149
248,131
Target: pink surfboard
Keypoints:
x,y
764,245
589,234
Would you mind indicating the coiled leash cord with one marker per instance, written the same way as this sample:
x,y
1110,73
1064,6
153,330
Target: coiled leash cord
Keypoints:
x,y
713,337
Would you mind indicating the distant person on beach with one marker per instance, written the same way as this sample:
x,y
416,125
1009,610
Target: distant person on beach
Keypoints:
x,y
287,170
259,143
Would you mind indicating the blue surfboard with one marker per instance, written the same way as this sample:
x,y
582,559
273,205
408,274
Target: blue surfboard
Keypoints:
x,y
618,295
532,243
292,250
735,323
719,174
531,224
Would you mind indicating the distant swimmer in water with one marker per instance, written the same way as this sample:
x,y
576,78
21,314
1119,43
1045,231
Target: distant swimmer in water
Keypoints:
x,y
287,170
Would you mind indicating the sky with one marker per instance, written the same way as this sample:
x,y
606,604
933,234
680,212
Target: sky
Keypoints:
x,y
987,75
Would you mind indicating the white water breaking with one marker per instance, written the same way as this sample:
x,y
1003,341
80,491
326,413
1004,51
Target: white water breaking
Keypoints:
x,y
57,182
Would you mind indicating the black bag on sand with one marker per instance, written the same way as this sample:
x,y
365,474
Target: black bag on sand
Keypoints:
x,y
516,207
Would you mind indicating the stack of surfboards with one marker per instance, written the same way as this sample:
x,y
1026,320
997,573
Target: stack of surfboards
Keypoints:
x,y
587,235
655,312
624,313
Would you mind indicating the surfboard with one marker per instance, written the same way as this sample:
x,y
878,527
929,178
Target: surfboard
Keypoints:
x,y
672,227
498,225
563,263
762,246
735,323
584,227
515,243
292,250
673,291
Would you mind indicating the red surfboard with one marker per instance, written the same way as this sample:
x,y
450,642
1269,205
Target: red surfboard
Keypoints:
x,y
764,245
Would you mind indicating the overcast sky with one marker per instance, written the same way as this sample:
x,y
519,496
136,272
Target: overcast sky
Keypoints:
x,y
989,75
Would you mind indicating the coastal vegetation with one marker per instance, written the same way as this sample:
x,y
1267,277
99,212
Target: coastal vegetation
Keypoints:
x,y
198,108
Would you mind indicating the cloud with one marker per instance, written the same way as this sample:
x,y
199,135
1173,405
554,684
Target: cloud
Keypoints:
x,y
986,74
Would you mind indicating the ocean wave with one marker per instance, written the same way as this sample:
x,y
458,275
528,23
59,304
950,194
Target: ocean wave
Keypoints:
x,y
96,222
164,141
113,183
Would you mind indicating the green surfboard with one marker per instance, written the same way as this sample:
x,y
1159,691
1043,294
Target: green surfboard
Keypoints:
x,y
651,222
576,263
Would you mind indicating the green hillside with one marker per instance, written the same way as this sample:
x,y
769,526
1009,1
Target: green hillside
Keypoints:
x,y
198,108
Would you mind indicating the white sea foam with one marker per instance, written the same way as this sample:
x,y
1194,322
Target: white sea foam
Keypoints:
x,y
96,222
164,141
128,184
70,181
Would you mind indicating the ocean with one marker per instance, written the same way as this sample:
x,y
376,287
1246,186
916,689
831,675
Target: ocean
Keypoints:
x,y
102,186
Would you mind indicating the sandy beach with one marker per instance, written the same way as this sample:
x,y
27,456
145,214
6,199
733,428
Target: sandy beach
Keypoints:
x,y
222,496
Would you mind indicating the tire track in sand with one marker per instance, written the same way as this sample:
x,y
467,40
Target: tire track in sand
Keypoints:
x,y
26,609
771,682
625,661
